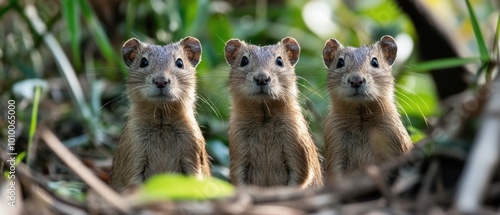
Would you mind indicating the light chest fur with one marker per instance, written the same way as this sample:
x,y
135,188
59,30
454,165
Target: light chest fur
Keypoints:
x,y
165,140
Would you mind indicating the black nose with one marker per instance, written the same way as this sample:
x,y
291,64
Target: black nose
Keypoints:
x,y
261,79
161,82
356,81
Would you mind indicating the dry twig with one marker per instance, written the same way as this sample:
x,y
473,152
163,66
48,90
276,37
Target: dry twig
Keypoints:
x,y
81,170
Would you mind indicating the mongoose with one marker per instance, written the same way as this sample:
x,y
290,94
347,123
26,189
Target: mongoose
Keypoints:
x,y
161,134
269,140
363,126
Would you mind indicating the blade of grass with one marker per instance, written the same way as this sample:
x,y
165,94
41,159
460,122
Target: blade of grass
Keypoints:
x,y
62,61
483,51
97,31
71,15
496,42
100,37
443,63
34,119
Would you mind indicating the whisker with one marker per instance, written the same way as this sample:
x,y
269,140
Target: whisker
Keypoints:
x,y
211,105
418,106
112,100
404,111
381,105
406,89
307,88
406,97
310,102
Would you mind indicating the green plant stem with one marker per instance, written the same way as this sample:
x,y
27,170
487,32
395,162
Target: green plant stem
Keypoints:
x,y
34,117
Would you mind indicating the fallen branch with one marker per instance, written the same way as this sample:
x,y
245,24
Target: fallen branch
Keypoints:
x,y
81,170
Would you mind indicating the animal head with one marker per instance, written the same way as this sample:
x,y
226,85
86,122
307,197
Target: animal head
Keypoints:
x,y
360,74
262,72
161,74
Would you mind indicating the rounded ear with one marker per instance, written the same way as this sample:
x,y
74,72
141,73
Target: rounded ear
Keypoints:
x,y
330,51
231,50
192,48
292,49
129,50
389,48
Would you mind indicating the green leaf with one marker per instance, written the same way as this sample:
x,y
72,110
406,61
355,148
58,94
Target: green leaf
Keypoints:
x,y
442,63
483,51
181,187
196,17
71,15
382,12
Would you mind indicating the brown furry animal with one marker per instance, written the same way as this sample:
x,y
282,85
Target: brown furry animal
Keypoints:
x,y
269,141
363,126
161,134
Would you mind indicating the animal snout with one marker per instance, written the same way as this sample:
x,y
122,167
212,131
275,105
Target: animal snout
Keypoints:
x,y
356,81
161,81
261,79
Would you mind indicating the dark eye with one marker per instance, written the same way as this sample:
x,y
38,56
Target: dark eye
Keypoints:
x,y
144,62
244,61
340,63
179,63
374,62
279,61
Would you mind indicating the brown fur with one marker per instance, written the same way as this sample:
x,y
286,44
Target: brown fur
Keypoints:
x,y
365,128
269,141
161,134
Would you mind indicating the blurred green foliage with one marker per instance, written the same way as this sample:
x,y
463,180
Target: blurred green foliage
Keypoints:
x,y
91,33
181,187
